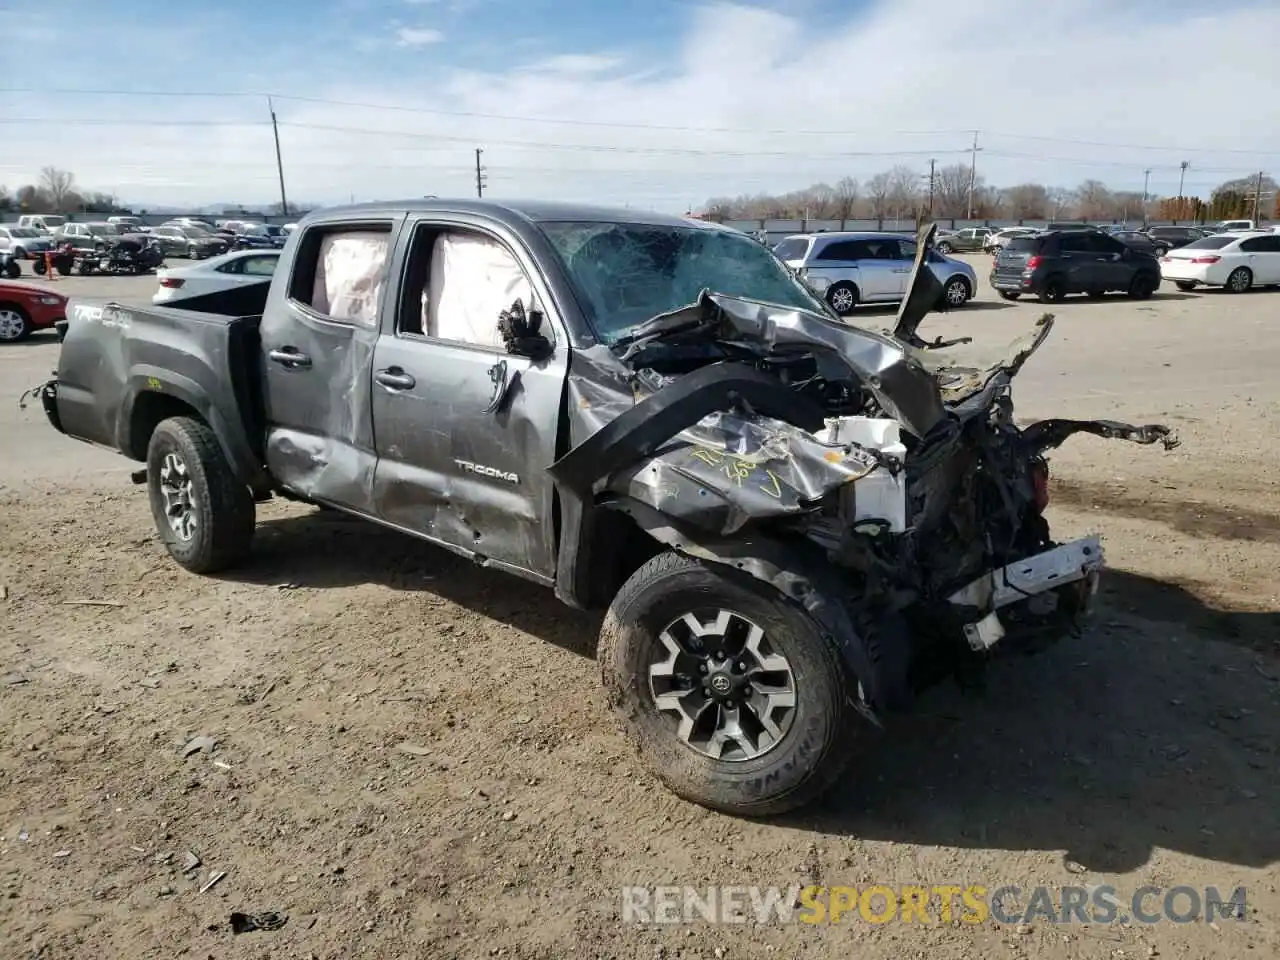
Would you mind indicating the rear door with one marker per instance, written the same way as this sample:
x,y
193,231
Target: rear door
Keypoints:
x,y
1264,258
1081,262
318,336
465,430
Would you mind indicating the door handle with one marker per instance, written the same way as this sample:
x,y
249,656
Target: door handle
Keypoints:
x,y
393,378
289,357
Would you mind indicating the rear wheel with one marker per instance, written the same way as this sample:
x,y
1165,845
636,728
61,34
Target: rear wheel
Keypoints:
x,y
15,324
204,515
1240,280
731,693
1143,286
193,252
842,297
944,247
1053,291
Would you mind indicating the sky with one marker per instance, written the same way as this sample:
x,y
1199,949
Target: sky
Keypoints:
x,y
658,104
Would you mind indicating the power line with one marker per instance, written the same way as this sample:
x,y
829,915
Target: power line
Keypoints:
x,y
401,108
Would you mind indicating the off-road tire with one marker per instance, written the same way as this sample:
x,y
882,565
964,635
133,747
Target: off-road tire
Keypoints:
x,y
1053,291
816,747
223,506
1241,285
835,288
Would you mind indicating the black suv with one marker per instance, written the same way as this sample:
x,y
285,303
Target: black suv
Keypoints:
x,y
1058,262
1174,237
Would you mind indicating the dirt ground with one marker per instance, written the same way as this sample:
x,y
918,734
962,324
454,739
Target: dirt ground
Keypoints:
x,y
412,756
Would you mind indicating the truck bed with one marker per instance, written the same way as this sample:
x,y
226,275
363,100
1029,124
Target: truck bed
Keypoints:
x,y
124,368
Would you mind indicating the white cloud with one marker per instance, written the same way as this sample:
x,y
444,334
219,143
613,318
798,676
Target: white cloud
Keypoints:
x,y
771,102
417,36
579,64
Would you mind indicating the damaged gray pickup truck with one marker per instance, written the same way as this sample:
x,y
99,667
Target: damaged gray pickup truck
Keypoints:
x,y
794,524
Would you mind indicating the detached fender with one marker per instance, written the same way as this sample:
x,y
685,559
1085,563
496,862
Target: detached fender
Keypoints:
x,y
796,577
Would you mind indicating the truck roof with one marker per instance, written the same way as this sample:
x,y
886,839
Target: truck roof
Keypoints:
x,y
509,211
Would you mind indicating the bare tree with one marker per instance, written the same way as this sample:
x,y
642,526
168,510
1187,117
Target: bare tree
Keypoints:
x,y
1061,202
845,199
878,190
951,190
719,209
1027,201
58,186
1095,200
904,190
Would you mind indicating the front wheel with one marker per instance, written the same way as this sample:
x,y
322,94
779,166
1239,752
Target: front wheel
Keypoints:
x,y
956,292
842,297
730,692
15,325
945,248
204,515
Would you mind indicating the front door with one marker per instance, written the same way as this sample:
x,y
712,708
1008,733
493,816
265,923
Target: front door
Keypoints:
x,y
466,431
318,334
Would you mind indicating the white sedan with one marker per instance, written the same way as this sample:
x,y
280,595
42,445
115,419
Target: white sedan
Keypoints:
x,y
1236,261
997,241
237,274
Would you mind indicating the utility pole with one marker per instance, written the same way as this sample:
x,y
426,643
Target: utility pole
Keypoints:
x,y
275,131
973,173
932,181
480,177
1257,198
1182,177
1146,181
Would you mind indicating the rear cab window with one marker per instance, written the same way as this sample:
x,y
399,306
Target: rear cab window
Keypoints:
x,y
340,272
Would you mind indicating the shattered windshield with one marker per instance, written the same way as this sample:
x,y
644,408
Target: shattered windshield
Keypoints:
x,y
627,273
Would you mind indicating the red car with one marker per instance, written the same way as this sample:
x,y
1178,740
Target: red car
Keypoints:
x,y
25,307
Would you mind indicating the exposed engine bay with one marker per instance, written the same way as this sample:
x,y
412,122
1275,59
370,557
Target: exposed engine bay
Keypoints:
x,y
792,445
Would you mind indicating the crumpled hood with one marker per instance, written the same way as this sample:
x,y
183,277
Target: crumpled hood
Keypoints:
x,y
729,442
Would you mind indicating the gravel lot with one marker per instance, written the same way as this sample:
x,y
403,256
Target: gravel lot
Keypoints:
x,y
413,757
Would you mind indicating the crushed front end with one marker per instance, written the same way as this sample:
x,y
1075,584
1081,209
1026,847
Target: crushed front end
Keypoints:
x,y
868,477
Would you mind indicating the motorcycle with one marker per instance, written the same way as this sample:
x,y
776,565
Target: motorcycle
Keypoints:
x,y
130,255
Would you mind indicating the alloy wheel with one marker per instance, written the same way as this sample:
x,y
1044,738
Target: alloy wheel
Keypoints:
x,y
733,696
957,293
12,325
176,490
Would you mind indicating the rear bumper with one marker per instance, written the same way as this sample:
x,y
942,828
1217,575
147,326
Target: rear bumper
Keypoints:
x,y
1011,281
49,400
1050,589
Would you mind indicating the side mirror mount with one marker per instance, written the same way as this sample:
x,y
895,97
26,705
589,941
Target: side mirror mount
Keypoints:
x,y
521,332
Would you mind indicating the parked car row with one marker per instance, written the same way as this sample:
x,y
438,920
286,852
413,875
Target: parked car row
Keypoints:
x,y
1052,264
